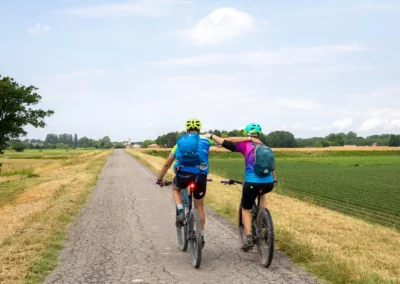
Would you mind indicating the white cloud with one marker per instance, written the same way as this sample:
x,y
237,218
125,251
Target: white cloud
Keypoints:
x,y
220,25
373,123
144,8
283,56
380,7
342,124
386,119
298,104
39,29
389,92
394,124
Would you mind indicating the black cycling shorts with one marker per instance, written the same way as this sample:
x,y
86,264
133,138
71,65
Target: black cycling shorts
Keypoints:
x,y
184,179
251,190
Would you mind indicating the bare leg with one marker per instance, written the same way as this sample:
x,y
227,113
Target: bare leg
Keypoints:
x,y
263,201
246,220
176,193
199,205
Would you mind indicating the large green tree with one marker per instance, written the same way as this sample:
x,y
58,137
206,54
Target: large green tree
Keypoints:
x,y
16,102
280,139
18,146
394,140
335,139
146,143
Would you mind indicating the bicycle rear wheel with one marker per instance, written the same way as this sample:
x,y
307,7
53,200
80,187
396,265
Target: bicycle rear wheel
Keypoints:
x,y
182,232
195,242
265,240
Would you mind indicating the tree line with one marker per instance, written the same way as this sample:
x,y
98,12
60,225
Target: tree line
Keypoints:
x,y
64,141
351,138
285,139
67,139
72,141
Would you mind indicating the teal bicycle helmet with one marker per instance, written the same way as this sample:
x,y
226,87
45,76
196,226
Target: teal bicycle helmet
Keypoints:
x,y
252,128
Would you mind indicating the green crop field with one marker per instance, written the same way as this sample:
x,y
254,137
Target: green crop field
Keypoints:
x,y
364,186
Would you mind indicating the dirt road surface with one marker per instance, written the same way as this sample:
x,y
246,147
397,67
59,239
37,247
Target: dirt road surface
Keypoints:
x,y
126,234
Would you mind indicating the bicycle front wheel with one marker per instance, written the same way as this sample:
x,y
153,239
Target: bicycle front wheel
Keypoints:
x,y
241,231
195,241
265,240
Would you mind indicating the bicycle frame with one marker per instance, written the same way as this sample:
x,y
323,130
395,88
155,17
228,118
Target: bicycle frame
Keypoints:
x,y
187,200
187,205
255,229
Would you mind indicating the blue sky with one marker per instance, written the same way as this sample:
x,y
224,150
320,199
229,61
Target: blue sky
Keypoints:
x,y
138,69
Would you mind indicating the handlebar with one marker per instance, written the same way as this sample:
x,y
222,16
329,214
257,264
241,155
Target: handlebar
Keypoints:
x,y
167,182
231,181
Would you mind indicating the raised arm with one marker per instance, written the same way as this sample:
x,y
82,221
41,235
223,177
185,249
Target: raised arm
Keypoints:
x,y
243,139
222,141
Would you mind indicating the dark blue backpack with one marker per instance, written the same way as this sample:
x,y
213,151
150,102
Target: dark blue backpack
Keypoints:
x,y
188,149
264,160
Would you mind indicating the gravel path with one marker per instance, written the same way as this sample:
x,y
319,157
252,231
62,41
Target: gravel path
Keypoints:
x,y
126,234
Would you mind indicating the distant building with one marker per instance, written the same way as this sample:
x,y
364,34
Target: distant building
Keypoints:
x,y
374,144
128,144
136,146
153,146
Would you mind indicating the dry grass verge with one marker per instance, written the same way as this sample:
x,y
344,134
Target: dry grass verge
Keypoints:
x,y
335,247
35,217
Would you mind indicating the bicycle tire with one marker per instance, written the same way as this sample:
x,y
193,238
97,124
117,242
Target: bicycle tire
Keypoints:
x,y
182,240
241,232
195,241
265,240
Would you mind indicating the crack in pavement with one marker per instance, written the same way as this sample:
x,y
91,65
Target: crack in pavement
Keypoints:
x,y
126,234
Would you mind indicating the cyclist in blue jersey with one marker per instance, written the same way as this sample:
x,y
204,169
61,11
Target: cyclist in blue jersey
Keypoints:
x,y
254,184
189,169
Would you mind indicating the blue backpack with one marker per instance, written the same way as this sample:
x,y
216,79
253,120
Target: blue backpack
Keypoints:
x,y
264,160
188,149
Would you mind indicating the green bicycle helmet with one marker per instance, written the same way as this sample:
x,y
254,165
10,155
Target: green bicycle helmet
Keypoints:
x,y
252,128
193,123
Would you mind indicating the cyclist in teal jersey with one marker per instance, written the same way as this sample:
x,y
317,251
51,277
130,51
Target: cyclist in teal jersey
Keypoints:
x,y
253,184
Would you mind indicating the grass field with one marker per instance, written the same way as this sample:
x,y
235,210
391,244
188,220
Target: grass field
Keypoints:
x,y
366,187
40,193
365,184
336,247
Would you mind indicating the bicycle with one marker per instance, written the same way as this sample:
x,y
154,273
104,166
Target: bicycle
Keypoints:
x,y
262,229
189,235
